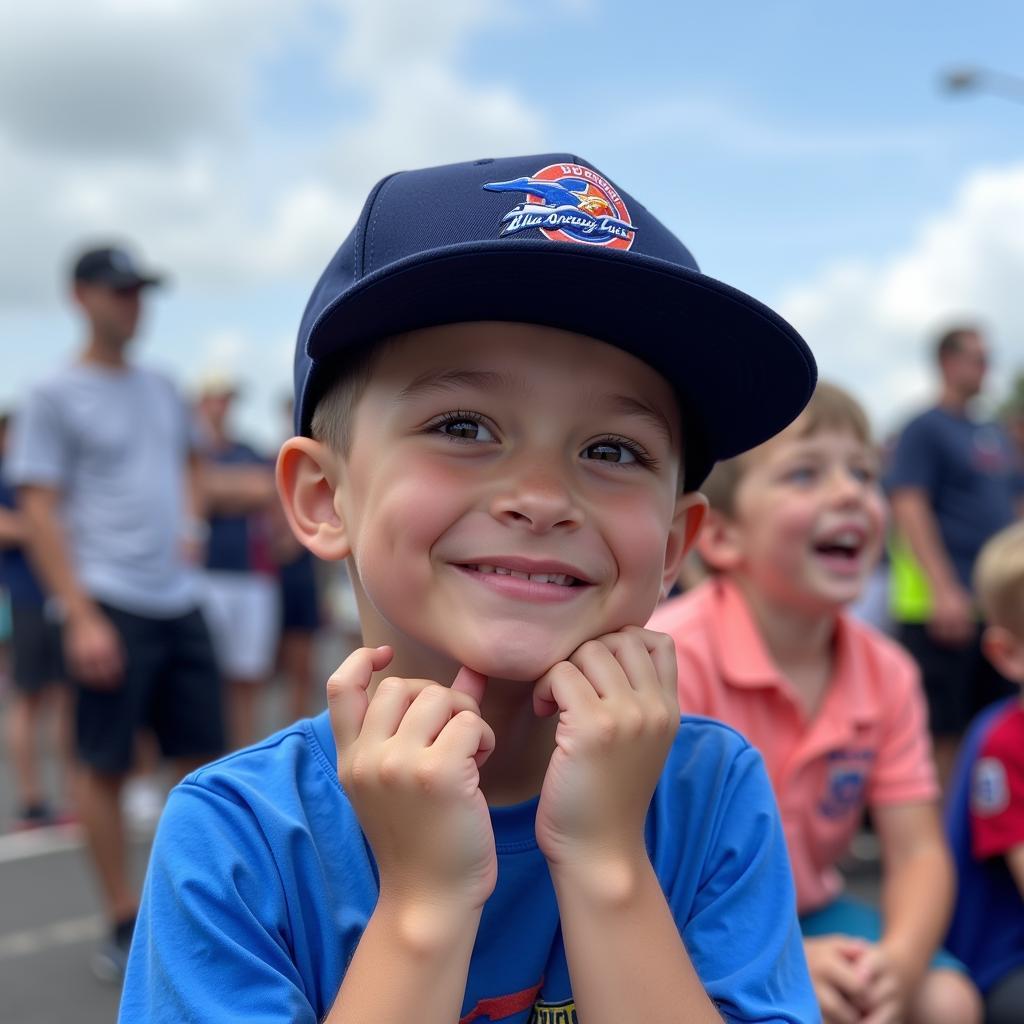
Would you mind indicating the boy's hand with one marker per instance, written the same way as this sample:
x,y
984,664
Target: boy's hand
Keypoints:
x,y
883,997
839,982
409,761
618,714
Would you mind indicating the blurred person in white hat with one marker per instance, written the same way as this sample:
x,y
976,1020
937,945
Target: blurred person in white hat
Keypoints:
x,y
240,589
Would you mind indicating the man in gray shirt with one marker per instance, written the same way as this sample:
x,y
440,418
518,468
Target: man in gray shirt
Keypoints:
x,y
102,457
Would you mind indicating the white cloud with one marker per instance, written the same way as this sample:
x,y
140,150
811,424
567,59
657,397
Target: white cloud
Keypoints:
x,y
871,326
381,38
421,110
139,121
426,115
132,78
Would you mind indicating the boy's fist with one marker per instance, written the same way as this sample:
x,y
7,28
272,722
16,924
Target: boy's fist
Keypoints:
x,y
409,760
618,714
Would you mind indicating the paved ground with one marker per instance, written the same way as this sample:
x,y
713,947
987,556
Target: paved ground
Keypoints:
x,y
50,920
50,923
50,917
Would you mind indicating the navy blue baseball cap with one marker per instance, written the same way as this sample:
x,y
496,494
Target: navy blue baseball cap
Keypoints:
x,y
112,267
549,240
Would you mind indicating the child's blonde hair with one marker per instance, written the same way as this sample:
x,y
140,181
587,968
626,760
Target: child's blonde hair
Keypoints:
x,y
999,579
830,408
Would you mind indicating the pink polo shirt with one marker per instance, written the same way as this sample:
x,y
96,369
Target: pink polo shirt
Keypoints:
x,y
867,744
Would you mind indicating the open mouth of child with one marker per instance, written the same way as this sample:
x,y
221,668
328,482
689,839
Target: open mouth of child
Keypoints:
x,y
841,552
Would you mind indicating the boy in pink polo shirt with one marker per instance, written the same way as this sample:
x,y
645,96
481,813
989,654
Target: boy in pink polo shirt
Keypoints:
x,y
835,708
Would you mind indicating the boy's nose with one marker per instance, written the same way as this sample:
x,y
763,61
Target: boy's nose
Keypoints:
x,y
540,501
846,487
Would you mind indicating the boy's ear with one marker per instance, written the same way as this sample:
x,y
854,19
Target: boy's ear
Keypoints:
x,y
1005,652
718,543
689,516
307,479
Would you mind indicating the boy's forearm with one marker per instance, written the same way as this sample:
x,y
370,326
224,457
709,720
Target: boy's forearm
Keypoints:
x,y
625,956
917,898
411,964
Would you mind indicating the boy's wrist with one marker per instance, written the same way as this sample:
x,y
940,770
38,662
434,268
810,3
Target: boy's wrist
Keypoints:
x,y
908,963
604,877
426,925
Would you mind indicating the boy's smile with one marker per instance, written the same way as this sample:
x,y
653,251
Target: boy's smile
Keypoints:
x,y
527,579
511,491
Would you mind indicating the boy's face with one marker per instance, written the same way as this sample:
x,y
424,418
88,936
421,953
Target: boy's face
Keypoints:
x,y
483,454
808,519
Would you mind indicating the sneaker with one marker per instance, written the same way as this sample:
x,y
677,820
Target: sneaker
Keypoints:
x,y
144,800
32,816
110,958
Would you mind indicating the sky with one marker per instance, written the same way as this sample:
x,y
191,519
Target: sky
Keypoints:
x,y
807,153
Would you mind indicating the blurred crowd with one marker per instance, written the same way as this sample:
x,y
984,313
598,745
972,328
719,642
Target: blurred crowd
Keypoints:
x,y
144,549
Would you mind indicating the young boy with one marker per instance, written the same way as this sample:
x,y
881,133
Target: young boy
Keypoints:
x,y
834,707
985,815
510,381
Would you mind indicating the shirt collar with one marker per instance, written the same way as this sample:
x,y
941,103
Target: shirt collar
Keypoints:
x,y
747,664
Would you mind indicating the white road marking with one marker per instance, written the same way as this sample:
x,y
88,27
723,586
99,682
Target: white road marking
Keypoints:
x,y
39,842
60,933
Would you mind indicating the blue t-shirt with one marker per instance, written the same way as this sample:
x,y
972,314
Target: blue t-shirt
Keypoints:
x,y
970,473
229,546
16,574
261,883
987,930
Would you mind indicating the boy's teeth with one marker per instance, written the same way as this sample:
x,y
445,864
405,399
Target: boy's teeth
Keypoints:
x,y
846,540
561,579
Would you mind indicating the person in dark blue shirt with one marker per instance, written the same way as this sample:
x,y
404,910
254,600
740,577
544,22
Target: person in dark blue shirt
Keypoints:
x,y
954,481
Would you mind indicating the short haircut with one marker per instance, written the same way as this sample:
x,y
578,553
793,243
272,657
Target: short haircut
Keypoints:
x,y
830,408
331,423
951,341
999,579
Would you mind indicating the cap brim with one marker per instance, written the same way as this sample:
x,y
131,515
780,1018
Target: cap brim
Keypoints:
x,y
742,372
123,281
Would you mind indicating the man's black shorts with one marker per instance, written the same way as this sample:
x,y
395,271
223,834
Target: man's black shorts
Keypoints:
x,y
958,681
171,685
36,660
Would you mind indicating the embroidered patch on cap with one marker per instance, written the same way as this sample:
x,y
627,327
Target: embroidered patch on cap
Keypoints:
x,y
568,203
990,794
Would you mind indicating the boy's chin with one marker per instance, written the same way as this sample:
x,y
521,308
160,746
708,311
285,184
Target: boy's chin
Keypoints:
x,y
511,662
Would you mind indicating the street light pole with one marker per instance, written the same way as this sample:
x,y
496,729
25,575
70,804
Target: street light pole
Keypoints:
x,y
998,83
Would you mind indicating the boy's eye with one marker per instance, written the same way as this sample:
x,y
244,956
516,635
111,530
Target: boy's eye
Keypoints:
x,y
464,427
611,451
864,474
801,474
